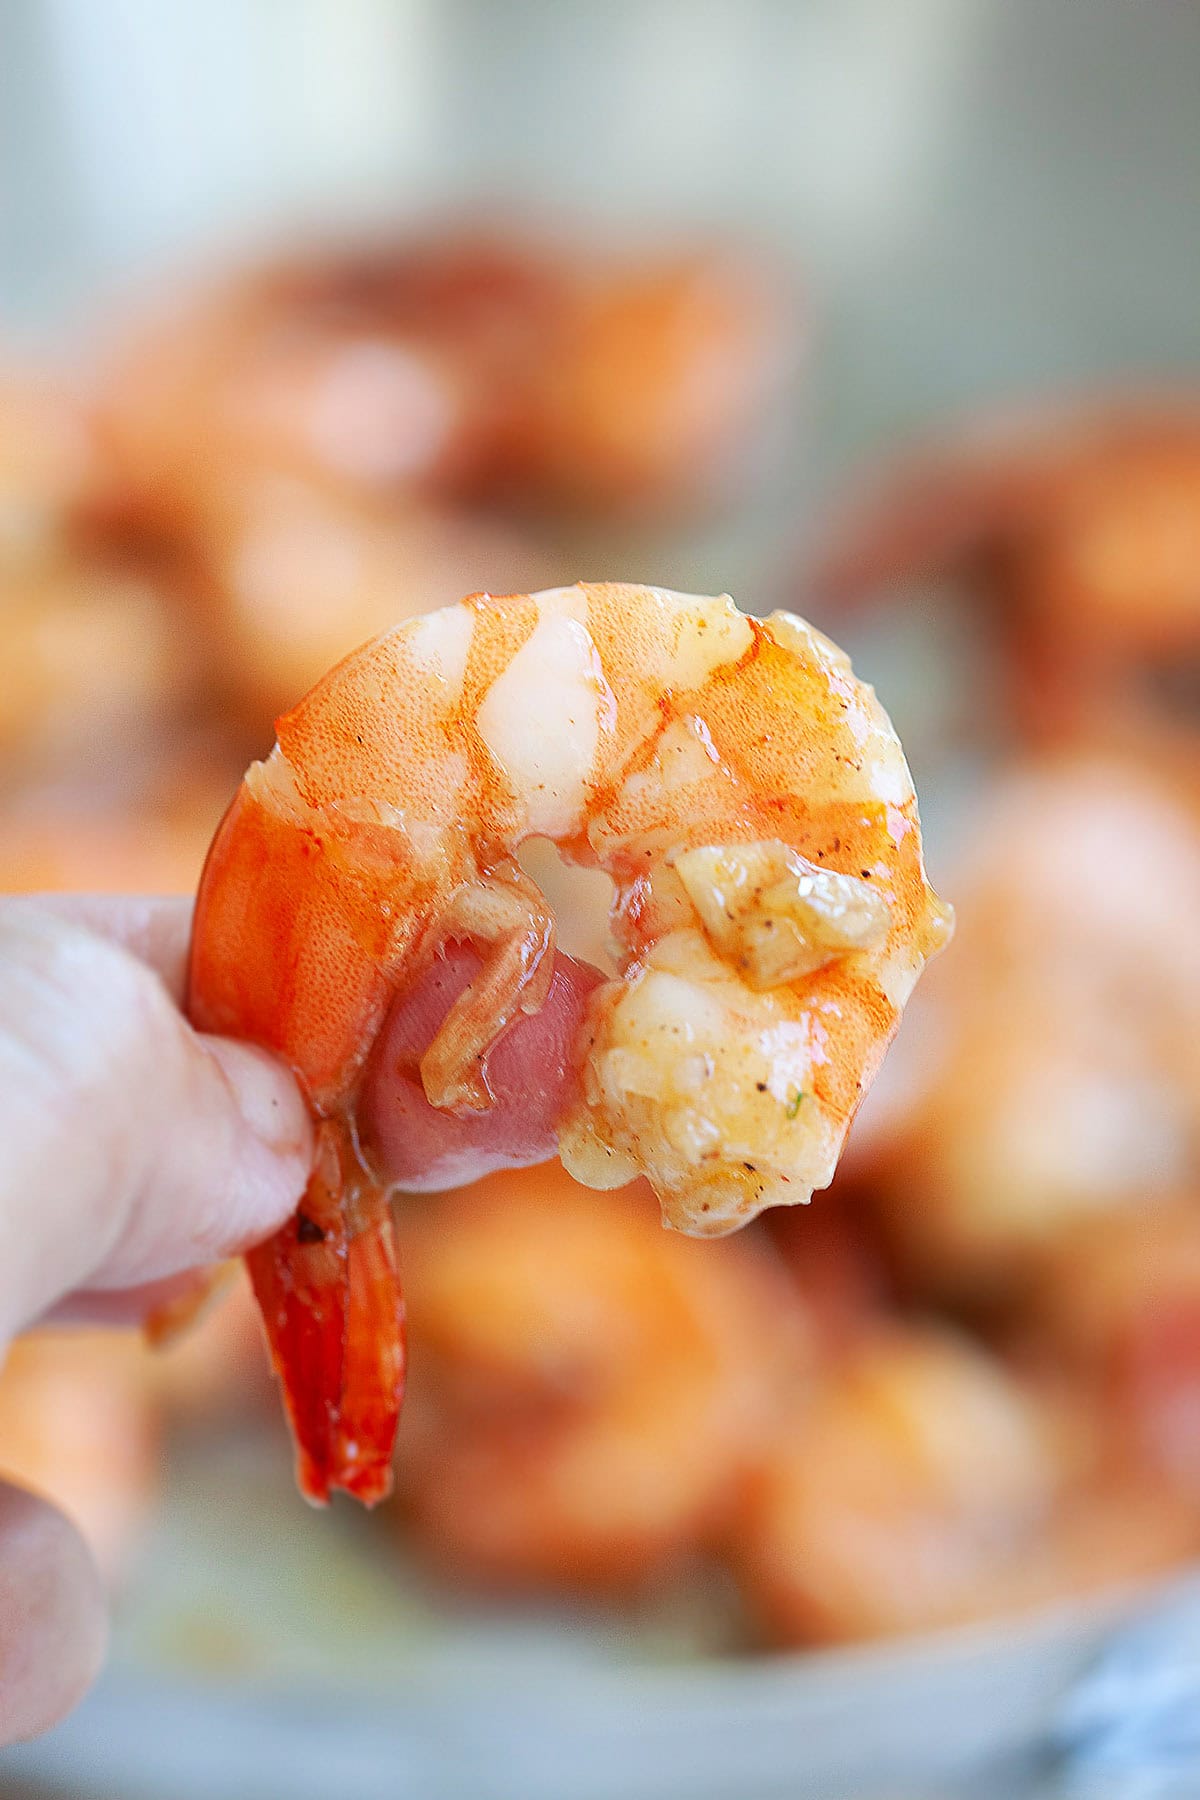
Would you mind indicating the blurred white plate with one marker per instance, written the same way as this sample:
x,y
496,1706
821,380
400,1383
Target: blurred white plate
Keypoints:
x,y
266,1652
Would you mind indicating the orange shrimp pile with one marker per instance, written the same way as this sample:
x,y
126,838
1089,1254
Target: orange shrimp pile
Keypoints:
x,y
1077,530
598,1408
589,1392
86,641
752,806
925,1482
1051,1077
469,368
199,521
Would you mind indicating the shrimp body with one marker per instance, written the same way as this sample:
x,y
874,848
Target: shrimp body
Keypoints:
x,y
1076,529
467,367
925,1482
751,804
1053,1078
593,1391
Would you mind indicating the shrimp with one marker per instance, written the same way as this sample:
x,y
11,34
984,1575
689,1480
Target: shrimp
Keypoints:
x,y
107,837
1052,1076
1116,1301
291,574
87,642
590,1391
91,655
926,1483
1077,528
752,806
463,367
46,465
77,1424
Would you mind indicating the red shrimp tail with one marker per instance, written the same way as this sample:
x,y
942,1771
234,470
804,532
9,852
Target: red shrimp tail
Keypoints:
x,y
328,1286
373,1373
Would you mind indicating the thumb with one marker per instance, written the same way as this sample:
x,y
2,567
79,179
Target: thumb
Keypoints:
x,y
134,1146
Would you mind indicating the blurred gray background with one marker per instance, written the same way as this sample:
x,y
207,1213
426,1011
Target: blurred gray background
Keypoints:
x,y
981,194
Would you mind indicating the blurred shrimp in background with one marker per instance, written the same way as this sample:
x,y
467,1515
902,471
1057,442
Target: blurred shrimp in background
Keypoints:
x,y
468,366
1072,532
926,1484
588,1391
77,1425
89,654
1053,1077
884,315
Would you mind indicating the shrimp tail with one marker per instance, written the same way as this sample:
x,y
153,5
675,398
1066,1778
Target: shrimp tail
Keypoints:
x,y
328,1286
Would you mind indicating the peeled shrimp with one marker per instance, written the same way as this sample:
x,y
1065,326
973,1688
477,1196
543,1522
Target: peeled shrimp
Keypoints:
x,y
291,574
1116,1301
87,643
1052,1074
46,465
467,367
1078,529
589,1391
102,839
752,806
77,1425
91,657
925,1483
74,850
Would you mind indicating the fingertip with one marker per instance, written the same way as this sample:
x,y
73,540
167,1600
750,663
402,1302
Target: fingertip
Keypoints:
x,y
271,1153
148,1148
53,1616
266,1096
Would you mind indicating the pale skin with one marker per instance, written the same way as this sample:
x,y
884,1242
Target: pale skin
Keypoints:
x,y
136,1152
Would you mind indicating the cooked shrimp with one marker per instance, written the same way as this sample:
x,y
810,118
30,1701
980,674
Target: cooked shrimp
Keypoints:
x,y
589,1391
46,465
925,1484
77,1425
1079,530
834,1264
91,656
468,368
1117,1302
84,840
87,643
290,575
77,851
1053,1075
752,805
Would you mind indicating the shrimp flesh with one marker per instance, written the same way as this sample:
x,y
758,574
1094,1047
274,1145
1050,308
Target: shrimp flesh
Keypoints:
x,y
1077,528
467,367
593,1391
752,806
925,1482
1053,1076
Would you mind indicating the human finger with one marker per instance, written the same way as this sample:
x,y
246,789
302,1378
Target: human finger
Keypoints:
x,y
154,928
53,1619
134,1147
